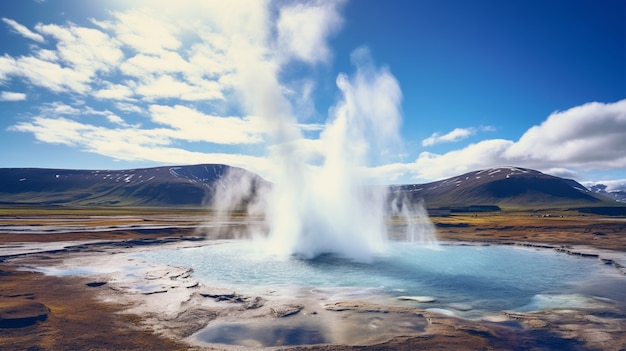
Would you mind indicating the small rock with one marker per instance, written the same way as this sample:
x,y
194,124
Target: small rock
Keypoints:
x,y
286,310
535,323
254,303
424,299
358,306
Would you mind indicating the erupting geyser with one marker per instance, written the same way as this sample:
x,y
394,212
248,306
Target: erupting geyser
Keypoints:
x,y
323,201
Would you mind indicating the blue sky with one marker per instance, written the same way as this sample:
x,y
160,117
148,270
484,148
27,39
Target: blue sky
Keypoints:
x,y
129,84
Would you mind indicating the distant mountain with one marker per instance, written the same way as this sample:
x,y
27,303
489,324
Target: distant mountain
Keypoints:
x,y
196,185
505,187
601,189
158,186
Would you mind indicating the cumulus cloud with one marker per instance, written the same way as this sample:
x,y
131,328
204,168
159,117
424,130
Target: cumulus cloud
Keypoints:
x,y
117,120
85,49
145,30
192,125
58,109
590,136
456,135
189,51
114,92
12,96
129,143
45,74
24,31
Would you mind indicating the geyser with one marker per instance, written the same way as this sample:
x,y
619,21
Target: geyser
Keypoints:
x,y
322,199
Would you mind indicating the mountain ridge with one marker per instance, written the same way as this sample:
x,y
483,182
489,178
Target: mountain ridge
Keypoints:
x,y
195,185
504,186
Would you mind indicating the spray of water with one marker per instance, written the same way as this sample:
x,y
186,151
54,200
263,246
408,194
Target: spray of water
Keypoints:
x,y
326,205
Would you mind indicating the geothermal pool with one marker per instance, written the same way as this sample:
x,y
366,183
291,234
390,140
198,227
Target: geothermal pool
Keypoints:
x,y
464,280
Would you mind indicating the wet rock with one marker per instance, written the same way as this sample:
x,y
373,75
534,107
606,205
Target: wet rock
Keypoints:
x,y
358,306
461,307
479,330
423,299
254,303
223,295
218,294
286,310
535,323
19,313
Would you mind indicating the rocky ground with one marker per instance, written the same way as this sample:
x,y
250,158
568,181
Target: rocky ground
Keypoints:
x,y
39,311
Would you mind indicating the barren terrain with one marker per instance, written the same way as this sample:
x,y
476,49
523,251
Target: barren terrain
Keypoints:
x,y
40,311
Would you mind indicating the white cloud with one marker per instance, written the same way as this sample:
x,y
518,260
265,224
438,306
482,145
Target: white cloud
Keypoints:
x,y
58,109
56,130
586,137
130,144
114,92
484,154
24,31
144,30
611,185
192,125
456,135
84,49
49,75
311,127
166,86
592,135
128,107
116,119
12,96
562,172
166,62
47,55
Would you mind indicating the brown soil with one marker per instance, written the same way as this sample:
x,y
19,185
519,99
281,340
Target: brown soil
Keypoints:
x,y
76,320
555,230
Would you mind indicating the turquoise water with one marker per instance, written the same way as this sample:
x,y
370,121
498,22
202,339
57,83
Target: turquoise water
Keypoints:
x,y
489,278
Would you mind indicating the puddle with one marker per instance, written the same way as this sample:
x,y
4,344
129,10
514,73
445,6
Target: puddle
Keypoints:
x,y
347,328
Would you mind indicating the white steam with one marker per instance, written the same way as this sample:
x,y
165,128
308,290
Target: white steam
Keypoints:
x,y
320,200
329,207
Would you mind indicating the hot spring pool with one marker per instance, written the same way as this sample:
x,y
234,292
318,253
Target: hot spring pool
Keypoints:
x,y
481,278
